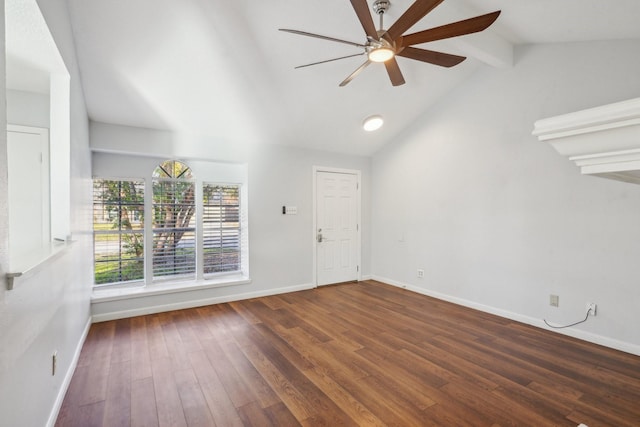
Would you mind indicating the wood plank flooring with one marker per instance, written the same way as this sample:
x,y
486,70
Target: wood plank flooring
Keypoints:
x,y
357,354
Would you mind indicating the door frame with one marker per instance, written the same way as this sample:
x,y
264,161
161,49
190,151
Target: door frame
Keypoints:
x,y
358,175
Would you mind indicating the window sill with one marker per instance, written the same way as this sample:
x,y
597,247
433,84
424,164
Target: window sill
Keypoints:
x,y
25,266
167,287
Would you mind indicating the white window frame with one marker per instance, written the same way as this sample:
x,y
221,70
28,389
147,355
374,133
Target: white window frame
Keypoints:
x,y
120,232
168,284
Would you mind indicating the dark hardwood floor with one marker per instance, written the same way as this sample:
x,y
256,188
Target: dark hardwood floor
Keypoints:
x,y
353,354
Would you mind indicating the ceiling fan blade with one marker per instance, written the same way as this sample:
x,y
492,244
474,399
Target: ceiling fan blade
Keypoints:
x,y
329,60
364,15
318,36
455,29
355,73
393,69
430,56
416,12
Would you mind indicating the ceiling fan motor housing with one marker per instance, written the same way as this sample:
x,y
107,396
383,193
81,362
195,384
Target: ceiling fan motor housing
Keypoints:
x,y
381,6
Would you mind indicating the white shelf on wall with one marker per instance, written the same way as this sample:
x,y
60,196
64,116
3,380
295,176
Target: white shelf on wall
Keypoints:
x,y
27,265
602,141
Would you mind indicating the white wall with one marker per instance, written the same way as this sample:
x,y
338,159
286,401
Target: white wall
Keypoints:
x,y
48,310
281,246
499,220
4,189
27,108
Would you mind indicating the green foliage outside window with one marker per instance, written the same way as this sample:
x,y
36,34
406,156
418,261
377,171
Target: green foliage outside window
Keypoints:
x,y
118,217
174,251
118,223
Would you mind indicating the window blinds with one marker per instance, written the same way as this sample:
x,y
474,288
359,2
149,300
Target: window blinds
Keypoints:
x,y
174,249
221,228
118,231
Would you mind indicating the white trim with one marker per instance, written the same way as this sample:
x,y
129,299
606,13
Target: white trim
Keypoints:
x,y
147,251
575,333
55,411
197,303
105,294
358,175
619,114
199,231
602,141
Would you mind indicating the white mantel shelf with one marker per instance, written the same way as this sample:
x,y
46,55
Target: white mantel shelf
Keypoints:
x,y
602,141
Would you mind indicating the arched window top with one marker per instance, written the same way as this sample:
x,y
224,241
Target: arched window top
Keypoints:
x,y
173,169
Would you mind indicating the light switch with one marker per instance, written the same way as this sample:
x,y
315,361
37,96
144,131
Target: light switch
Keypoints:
x,y
290,210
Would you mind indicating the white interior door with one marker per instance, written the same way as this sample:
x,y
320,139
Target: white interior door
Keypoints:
x,y
337,244
28,176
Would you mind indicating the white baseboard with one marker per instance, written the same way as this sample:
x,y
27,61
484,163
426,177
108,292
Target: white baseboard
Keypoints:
x,y
53,416
539,323
141,311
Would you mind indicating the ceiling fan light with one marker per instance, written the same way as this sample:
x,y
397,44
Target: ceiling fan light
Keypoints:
x,y
372,123
381,54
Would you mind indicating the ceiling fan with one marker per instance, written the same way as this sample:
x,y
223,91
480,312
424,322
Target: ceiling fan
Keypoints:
x,y
384,45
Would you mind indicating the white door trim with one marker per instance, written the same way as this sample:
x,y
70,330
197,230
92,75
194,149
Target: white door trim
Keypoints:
x,y
358,175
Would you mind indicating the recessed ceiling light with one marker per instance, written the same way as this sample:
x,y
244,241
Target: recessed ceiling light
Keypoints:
x,y
372,123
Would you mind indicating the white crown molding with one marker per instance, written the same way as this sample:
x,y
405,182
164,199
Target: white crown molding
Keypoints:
x,y
602,141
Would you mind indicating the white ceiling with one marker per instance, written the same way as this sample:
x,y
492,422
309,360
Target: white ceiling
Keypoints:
x,y
222,68
31,53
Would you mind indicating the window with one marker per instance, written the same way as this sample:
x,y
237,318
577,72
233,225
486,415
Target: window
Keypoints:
x,y
195,229
221,228
174,230
118,231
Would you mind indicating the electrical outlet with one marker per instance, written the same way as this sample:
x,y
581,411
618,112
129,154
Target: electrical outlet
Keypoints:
x,y
420,273
54,363
592,308
554,300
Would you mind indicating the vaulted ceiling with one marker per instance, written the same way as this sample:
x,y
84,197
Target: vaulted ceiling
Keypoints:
x,y
221,68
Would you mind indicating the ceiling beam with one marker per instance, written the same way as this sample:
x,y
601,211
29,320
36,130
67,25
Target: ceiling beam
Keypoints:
x,y
486,46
